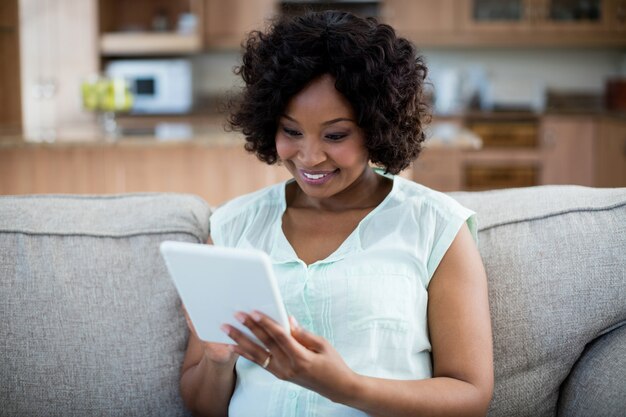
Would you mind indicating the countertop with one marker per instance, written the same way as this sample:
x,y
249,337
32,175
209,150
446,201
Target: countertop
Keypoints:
x,y
209,131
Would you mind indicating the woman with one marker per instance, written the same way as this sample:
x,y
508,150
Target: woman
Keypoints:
x,y
382,277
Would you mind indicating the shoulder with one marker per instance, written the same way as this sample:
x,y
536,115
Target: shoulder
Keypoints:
x,y
436,216
250,202
420,212
244,210
418,197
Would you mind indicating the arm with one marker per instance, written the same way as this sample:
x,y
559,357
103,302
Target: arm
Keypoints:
x,y
208,376
460,333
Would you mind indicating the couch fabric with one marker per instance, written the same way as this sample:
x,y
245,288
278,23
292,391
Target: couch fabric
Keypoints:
x,y
555,258
91,325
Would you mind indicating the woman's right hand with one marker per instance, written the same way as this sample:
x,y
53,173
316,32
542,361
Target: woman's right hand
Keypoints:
x,y
219,353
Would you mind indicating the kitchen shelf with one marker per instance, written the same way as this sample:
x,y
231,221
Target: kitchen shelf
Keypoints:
x,y
146,43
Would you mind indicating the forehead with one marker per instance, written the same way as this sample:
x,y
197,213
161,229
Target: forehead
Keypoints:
x,y
320,98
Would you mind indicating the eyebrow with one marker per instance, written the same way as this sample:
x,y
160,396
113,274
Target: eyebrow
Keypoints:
x,y
329,122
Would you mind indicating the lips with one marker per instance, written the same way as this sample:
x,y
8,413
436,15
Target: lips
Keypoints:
x,y
317,177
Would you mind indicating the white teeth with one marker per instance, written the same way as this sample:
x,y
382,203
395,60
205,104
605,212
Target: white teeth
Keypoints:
x,y
314,176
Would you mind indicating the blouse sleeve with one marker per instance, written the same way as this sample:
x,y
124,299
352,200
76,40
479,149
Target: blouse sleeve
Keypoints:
x,y
220,226
448,222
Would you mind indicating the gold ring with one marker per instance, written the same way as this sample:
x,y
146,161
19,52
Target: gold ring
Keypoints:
x,y
266,363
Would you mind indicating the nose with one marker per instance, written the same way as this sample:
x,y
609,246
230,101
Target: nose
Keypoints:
x,y
311,152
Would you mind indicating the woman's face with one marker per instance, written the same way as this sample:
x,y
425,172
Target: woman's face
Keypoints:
x,y
319,141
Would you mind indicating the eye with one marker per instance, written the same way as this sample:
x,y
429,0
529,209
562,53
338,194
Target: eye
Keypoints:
x,y
291,132
335,136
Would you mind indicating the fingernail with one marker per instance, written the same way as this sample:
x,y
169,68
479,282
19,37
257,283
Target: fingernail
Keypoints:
x,y
255,316
294,322
225,329
240,317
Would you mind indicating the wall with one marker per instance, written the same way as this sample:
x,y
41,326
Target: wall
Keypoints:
x,y
522,75
515,75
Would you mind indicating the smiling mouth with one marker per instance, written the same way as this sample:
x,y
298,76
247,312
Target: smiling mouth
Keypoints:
x,y
314,176
317,177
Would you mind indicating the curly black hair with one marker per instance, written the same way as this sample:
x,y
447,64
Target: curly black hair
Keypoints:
x,y
380,74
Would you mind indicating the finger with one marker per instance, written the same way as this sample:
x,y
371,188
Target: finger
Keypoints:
x,y
256,329
266,363
279,355
245,347
237,350
308,339
280,337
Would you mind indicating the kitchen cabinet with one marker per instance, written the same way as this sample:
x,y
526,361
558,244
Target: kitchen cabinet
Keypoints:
x,y
215,172
10,105
439,168
226,22
526,15
150,27
568,150
506,23
617,16
58,48
495,16
426,22
582,150
541,22
510,155
610,153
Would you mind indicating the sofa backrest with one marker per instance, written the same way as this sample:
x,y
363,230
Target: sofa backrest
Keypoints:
x,y
91,325
89,321
555,258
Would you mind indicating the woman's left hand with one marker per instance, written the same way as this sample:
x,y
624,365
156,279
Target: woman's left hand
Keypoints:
x,y
300,357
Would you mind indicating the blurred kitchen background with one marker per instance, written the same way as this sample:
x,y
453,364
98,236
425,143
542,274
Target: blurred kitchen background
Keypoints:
x,y
111,96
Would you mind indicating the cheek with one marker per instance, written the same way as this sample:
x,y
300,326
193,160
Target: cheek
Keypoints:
x,y
351,156
281,147
284,148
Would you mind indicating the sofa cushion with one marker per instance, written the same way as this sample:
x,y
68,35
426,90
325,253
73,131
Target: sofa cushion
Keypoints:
x,y
555,263
597,384
90,322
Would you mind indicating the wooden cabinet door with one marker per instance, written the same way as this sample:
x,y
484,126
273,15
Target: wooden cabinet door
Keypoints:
x,y
504,17
58,40
543,22
227,22
215,173
422,20
616,15
573,17
567,150
10,111
439,169
610,157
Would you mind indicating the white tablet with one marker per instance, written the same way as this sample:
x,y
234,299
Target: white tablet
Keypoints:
x,y
214,282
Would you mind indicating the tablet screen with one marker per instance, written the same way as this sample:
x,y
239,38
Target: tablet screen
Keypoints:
x,y
214,282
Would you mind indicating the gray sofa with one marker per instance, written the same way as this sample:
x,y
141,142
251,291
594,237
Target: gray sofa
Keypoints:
x,y
91,325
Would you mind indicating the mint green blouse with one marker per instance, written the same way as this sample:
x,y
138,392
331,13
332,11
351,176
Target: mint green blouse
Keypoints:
x,y
368,298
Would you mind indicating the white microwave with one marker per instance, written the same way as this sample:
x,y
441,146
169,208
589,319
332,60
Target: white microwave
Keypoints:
x,y
159,86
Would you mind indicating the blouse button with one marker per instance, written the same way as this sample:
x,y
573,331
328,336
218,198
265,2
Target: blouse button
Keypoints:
x,y
292,394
